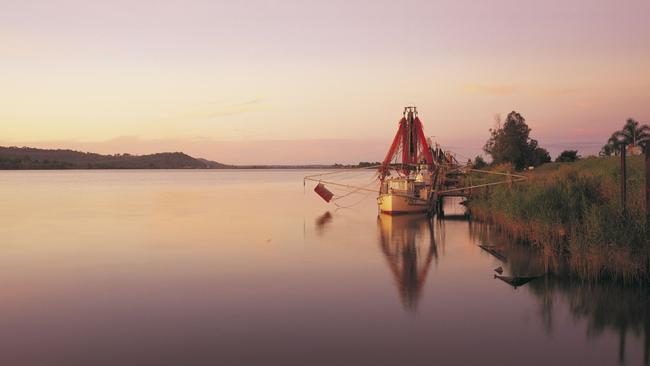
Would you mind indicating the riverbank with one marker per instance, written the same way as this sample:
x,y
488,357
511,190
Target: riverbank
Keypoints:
x,y
28,158
573,212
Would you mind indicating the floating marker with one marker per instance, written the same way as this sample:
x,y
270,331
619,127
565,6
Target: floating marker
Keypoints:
x,y
323,192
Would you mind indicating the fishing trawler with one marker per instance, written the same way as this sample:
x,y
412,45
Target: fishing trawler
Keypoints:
x,y
415,176
409,173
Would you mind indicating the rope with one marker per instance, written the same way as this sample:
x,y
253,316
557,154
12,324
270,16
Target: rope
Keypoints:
x,y
480,185
343,170
499,173
354,189
517,178
340,184
354,204
357,190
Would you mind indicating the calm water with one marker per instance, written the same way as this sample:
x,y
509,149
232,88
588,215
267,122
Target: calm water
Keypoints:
x,y
244,268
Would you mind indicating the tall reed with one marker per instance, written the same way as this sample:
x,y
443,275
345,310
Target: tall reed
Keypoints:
x,y
574,210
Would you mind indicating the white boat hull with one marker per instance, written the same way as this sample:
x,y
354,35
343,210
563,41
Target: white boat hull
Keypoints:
x,y
400,204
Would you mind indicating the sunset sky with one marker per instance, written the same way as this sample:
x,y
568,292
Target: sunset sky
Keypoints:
x,y
316,82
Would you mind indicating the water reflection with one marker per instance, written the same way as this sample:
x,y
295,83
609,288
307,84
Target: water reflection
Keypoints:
x,y
605,306
322,221
611,314
409,246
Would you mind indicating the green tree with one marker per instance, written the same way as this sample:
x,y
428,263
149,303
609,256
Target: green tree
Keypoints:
x,y
567,156
511,143
479,162
611,147
539,156
632,134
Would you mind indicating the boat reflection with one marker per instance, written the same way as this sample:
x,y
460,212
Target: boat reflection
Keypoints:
x,y
412,245
408,243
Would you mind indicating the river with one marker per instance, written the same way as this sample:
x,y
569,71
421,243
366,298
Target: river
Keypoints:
x,y
248,267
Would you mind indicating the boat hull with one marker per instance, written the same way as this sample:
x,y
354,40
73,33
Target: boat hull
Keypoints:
x,y
398,204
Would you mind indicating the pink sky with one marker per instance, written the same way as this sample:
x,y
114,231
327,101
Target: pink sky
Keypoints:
x,y
316,82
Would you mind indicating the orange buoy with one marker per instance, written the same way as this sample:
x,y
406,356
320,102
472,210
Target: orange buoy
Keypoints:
x,y
323,192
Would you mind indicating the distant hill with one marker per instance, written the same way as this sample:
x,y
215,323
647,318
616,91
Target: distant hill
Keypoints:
x,y
31,158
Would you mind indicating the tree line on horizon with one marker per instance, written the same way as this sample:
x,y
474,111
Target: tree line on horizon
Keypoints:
x,y
510,143
16,158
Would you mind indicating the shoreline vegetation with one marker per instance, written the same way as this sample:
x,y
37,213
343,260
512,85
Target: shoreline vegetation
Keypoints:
x,y
572,209
27,158
573,213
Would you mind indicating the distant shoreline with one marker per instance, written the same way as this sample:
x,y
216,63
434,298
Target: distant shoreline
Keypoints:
x,y
298,167
28,158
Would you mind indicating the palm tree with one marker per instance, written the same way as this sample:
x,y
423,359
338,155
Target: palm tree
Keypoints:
x,y
632,134
612,146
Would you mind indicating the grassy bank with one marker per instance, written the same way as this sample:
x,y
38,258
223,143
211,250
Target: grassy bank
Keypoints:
x,y
573,211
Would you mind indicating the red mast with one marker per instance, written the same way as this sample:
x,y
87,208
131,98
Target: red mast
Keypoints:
x,y
412,142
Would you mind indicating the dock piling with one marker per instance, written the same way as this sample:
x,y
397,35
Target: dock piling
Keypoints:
x,y
647,187
623,178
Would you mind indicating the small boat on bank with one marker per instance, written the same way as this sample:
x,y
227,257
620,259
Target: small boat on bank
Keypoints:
x,y
517,281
